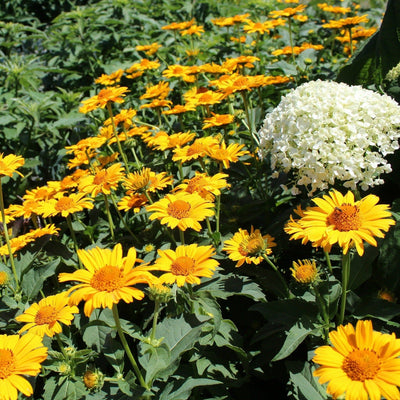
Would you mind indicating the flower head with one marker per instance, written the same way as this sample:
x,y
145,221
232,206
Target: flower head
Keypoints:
x,y
110,94
19,355
351,130
361,363
182,210
186,264
340,219
107,278
9,164
249,248
304,271
44,318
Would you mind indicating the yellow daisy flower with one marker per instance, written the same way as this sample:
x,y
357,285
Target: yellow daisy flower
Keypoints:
x,y
182,210
287,12
132,202
44,318
9,164
245,247
107,279
110,94
65,205
361,363
345,22
304,271
146,180
186,264
197,149
103,181
161,90
217,120
227,154
340,219
19,355
111,79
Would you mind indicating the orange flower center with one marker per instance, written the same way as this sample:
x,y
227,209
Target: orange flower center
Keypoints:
x,y
6,363
360,365
107,279
345,218
305,273
182,266
253,245
47,315
179,209
195,148
64,204
100,178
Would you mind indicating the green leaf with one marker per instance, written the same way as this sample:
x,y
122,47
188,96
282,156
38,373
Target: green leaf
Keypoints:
x,y
296,335
156,360
376,308
182,391
96,331
115,353
361,267
378,55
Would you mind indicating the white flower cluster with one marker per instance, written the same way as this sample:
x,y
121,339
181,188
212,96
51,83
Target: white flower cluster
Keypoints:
x,y
326,131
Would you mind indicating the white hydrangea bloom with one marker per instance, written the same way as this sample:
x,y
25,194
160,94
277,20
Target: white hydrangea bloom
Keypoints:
x,y
326,131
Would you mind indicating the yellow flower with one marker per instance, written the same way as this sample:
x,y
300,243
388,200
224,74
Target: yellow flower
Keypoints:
x,y
100,100
132,202
193,30
186,264
19,355
345,22
287,12
197,149
110,79
107,279
157,103
177,26
4,278
245,247
65,205
9,164
179,109
206,186
44,318
164,142
206,98
143,65
146,180
304,271
149,49
340,219
103,181
180,71
228,154
93,380
361,363
217,120
182,210
160,90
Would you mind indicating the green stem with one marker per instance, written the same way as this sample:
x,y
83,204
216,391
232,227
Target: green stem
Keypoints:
x,y
110,221
123,155
291,39
127,349
282,280
328,261
5,229
76,247
60,344
324,311
182,237
155,317
345,282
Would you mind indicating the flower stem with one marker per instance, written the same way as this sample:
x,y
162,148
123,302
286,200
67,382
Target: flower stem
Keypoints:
x,y
345,282
5,229
71,229
155,317
324,312
328,261
282,280
110,221
127,349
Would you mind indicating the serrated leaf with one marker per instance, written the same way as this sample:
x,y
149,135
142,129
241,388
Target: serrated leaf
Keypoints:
x,y
182,390
296,335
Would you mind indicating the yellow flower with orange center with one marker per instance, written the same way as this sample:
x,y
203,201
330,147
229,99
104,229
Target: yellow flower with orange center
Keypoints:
x,y
206,186
143,65
182,210
288,50
164,142
9,164
177,26
108,277
218,120
112,94
345,22
157,103
132,202
125,116
193,30
110,79
223,21
179,109
206,98
340,219
149,49
186,264
103,181
248,247
146,180
333,9
227,154
304,271
160,90
287,12
19,356
46,317
197,149
65,205
180,71
361,363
